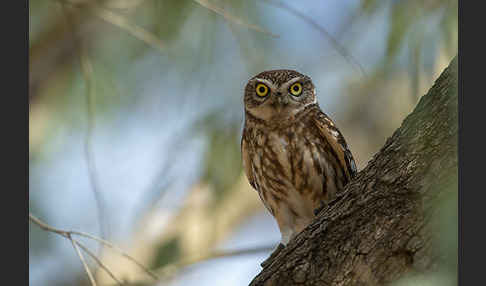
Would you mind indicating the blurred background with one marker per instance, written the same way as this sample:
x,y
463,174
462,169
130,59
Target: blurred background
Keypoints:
x,y
135,118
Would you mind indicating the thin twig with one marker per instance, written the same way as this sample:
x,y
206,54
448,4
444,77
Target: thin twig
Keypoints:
x,y
96,259
81,257
233,18
169,270
117,249
67,234
87,71
133,29
339,48
47,227
121,22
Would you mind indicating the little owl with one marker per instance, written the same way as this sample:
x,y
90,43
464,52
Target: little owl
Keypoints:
x,y
293,154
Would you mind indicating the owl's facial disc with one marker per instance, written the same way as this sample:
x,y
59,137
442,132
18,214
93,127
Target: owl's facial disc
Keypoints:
x,y
278,95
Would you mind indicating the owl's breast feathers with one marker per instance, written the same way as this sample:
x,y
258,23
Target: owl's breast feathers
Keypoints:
x,y
308,155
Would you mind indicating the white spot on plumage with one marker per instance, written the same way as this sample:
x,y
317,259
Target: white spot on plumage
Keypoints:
x,y
335,133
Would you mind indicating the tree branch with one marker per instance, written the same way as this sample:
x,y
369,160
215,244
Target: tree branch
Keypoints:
x,y
69,234
379,227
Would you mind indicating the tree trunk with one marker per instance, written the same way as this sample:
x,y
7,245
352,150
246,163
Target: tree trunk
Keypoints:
x,y
380,227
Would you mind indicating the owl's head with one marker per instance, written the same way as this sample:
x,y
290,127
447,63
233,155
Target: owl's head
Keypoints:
x,y
278,94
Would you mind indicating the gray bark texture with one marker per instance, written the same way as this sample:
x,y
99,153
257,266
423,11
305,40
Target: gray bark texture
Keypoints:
x,y
379,228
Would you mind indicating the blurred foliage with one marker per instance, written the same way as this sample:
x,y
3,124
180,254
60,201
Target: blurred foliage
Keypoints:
x,y
409,17
447,227
222,158
174,13
443,224
419,28
168,252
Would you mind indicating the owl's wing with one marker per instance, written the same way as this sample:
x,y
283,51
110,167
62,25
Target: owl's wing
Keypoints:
x,y
328,130
246,162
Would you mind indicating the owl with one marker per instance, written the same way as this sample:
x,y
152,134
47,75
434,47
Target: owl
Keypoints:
x,y
293,154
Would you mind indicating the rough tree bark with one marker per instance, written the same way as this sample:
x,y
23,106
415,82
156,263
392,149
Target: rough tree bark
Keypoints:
x,y
378,228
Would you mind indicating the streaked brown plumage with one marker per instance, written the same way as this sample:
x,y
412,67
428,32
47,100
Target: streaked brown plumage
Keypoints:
x,y
293,154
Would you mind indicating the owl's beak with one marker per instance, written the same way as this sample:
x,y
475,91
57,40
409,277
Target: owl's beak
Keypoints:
x,y
281,99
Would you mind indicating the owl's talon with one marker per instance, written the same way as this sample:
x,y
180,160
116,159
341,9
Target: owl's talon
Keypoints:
x,y
272,256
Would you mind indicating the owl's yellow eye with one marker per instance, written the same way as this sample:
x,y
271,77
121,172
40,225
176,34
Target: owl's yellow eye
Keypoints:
x,y
296,89
261,89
